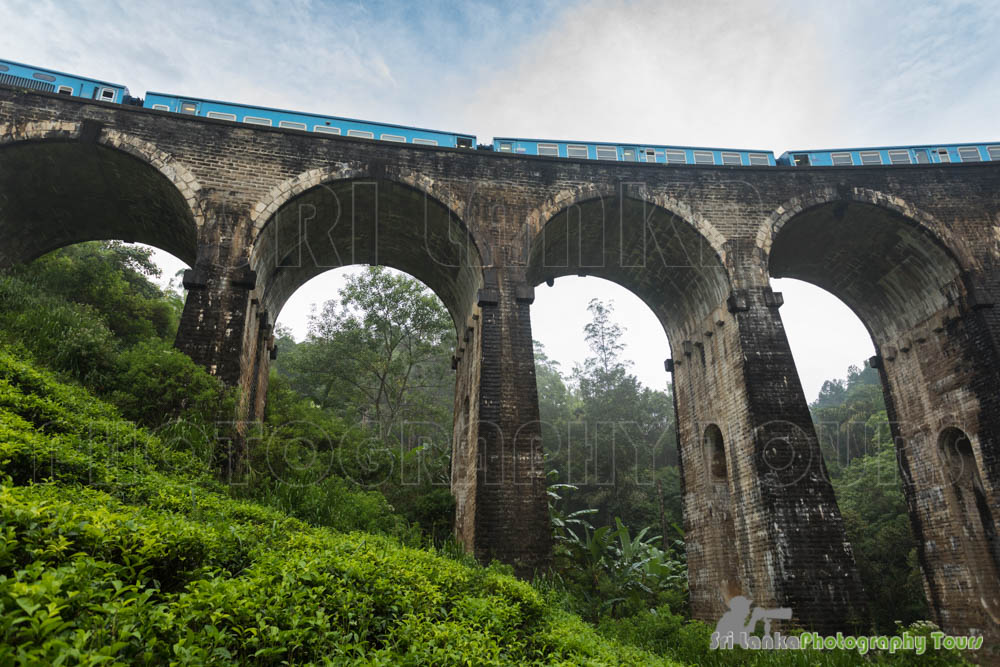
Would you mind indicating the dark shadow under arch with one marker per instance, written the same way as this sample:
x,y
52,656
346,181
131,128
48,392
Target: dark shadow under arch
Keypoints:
x,y
654,253
368,221
887,268
57,193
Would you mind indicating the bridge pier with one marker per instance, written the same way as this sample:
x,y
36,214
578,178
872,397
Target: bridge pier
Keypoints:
x,y
498,476
941,379
760,515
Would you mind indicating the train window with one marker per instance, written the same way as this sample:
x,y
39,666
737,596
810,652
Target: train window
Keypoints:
x,y
969,154
628,154
650,155
732,159
65,90
424,142
900,157
44,77
291,125
189,108
994,152
704,157
607,153
576,151
676,157
871,157
326,129
363,134
221,116
801,160
393,137
551,150
943,156
161,107
922,156
256,120
506,147
759,160
464,142
842,159
107,94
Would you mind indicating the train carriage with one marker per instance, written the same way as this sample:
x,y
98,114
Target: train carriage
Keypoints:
x,y
48,80
661,154
308,122
927,154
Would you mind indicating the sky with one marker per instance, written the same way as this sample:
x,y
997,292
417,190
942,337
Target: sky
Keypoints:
x,y
773,74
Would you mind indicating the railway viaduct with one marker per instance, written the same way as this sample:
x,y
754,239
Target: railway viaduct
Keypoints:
x,y
913,250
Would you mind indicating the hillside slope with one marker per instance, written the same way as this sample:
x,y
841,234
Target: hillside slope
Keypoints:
x,y
116,548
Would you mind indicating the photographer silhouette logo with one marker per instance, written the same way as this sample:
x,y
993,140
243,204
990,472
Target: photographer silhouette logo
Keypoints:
x,y
734,629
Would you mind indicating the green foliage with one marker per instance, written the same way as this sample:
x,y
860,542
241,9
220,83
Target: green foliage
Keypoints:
x,y
857,445
144,559
607,571
870,495
378,355
70,337
111,278
611,437
158,383
841,414
375,359
90,312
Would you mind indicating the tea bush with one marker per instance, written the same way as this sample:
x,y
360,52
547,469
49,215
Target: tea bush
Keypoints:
x,y
116,548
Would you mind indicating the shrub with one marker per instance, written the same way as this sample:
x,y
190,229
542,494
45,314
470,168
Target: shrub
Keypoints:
x,y
144,559
158,383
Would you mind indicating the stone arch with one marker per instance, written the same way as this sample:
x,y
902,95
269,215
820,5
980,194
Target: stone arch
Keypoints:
x,y
715,453
721,533
877,253
772,225
329,218
659,253
281,193
588,192
910,282
59,187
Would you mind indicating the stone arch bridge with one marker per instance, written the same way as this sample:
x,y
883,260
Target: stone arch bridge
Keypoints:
x,y
913,250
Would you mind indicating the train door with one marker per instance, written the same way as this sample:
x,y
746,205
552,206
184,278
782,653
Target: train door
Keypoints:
x,y
647,155
628,155
104,93
922,156
188,107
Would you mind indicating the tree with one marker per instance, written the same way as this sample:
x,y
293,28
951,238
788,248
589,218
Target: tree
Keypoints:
x,y
113,278
856,441
610,435
378,355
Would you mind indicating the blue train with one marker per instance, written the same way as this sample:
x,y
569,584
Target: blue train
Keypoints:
x,y
929,154
582,150
293,120
51,81
26,76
